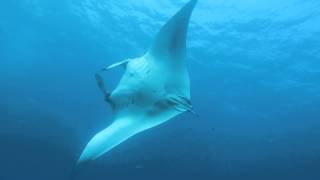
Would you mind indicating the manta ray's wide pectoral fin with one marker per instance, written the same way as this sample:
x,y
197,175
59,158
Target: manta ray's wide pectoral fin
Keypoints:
x,y
170,42
107,139
120,130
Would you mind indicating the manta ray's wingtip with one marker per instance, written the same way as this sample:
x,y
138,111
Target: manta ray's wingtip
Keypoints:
x,y
81,161
170,41
85,158
192,3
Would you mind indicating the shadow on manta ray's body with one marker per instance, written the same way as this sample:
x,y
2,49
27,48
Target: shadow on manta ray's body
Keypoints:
x,y
153,89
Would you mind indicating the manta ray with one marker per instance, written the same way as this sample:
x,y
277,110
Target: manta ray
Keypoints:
x,y
153,89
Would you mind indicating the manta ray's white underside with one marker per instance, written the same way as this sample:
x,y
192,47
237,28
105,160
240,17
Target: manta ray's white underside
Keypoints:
x,y
153,89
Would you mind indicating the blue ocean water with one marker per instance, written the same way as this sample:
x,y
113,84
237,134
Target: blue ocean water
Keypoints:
x,y
255,82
